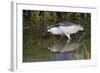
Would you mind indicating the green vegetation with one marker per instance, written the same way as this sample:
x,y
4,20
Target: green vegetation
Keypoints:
x,y
36,40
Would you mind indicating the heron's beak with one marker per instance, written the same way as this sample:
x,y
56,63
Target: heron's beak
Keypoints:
x,y
46,30
43,29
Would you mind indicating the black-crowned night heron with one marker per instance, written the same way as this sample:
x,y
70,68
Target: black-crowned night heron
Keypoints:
x,y
64,28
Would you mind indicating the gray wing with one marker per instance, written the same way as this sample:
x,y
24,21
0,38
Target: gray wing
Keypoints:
x,y
67,24
62,24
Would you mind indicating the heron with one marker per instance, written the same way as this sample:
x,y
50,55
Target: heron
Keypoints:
x,y
64,28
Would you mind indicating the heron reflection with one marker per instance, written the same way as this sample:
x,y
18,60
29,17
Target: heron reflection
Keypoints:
x,y
64,47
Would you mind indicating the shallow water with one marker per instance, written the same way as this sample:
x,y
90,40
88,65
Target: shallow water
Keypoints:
x,y
53,49
56,57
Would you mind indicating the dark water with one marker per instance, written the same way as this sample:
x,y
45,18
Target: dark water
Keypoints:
x,y
56,57
55,50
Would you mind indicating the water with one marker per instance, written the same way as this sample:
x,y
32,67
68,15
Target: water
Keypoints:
x,y
56,57
64,47
55,49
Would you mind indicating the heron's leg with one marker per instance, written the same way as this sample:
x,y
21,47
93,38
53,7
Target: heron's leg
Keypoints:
x,y
69,38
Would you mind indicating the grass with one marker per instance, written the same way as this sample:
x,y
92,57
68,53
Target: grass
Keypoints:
x,y
84,52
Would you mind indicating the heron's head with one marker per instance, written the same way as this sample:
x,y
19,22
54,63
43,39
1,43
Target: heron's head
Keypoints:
x,y
49,29
54,30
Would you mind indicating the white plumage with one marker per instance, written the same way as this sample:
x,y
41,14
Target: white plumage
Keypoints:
x,y
64,28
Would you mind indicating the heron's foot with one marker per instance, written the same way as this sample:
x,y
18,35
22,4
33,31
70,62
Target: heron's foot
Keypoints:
x,y
69,38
